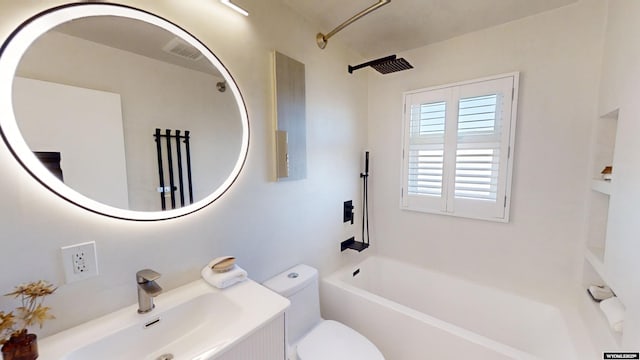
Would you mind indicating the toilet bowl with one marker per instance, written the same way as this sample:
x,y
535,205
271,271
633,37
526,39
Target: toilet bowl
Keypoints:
x,y
309,337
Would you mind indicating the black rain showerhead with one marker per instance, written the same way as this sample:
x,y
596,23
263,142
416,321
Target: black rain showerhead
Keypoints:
x,y
387,67
384,65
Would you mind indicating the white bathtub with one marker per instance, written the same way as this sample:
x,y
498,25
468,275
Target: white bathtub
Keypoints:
x,y
414,313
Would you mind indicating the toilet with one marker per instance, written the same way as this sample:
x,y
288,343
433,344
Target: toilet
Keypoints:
x,y
309,337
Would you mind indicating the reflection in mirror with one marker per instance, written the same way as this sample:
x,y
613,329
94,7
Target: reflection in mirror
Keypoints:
x,y
115,96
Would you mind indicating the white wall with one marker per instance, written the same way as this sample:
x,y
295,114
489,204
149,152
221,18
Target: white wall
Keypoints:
x,y
66,119
619,89
267,225
540,251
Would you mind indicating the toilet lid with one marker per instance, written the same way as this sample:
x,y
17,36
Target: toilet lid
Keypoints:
x,y
335,341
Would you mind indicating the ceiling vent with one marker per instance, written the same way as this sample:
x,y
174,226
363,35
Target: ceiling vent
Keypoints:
x,y
180,48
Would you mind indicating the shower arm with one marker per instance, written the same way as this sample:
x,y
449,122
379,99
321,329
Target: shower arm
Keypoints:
x,y
322,39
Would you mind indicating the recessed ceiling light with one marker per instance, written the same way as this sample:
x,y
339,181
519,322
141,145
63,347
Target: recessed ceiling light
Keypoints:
x,y
235,7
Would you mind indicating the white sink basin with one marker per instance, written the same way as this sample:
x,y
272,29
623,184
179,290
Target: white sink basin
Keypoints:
x,y
195,321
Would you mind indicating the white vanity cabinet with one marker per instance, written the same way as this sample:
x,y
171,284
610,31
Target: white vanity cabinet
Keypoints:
x,y
266,343
194,321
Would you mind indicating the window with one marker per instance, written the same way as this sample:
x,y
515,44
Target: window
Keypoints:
x,y
457,148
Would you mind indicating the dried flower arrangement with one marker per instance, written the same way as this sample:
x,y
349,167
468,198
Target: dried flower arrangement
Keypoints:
x,y
30,313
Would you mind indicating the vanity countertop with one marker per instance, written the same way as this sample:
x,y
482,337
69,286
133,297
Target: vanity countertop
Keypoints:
x,y
194,321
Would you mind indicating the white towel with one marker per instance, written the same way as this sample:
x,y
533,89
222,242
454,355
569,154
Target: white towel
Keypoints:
x,y
614,312
225,279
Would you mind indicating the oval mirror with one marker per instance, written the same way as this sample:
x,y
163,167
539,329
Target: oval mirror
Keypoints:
x,y
121,112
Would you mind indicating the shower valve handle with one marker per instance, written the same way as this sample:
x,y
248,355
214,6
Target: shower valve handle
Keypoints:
x,y
347,211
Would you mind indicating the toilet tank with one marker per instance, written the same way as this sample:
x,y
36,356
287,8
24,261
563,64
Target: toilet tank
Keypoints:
x,y
300,285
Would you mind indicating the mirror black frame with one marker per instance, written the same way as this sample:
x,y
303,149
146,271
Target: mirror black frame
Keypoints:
x,y
11,52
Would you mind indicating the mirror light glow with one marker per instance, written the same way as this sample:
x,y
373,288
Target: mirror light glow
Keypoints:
x,y
235,7
10,55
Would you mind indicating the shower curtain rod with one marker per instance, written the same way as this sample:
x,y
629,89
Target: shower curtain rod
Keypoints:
x,y
322,39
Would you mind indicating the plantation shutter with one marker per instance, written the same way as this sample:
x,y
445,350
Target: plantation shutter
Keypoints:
x,y
457,148
482,148
425,136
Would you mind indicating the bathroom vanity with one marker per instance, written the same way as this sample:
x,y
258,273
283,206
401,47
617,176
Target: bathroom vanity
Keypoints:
x,y
266,343
194,321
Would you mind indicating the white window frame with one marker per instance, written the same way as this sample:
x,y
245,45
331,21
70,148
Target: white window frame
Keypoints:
x,y
506,87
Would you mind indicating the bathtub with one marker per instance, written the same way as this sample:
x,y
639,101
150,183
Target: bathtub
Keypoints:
x,y
414,313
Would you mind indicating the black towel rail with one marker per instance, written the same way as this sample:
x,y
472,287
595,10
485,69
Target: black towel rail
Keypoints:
x,y
180,141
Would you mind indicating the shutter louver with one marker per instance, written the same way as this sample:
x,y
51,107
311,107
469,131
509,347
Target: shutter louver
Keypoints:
x,y
425,172
477,115
478,149
426,149
477,174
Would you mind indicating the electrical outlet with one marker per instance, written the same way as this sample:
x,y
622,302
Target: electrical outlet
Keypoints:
x,y
80,261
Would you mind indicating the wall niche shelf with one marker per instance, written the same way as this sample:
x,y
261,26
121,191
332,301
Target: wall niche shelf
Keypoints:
x,y
602,155
601,186
595,269
594,274
595,257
